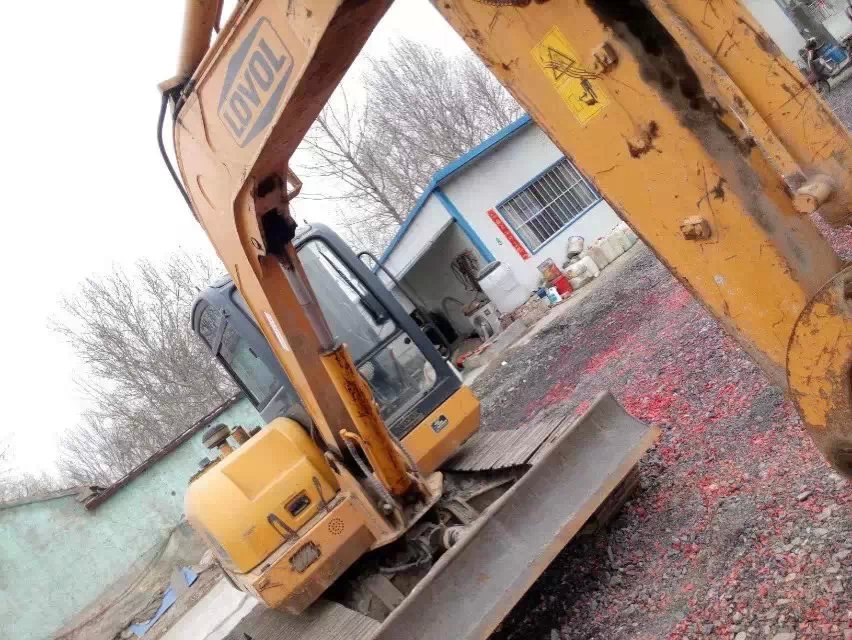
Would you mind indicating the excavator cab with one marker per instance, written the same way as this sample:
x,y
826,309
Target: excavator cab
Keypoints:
x,y
408,377
285,526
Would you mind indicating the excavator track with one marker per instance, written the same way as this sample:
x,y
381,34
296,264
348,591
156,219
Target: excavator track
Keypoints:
x,y
561,476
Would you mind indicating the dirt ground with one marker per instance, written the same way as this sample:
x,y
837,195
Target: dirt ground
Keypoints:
x,y
739,530
840,97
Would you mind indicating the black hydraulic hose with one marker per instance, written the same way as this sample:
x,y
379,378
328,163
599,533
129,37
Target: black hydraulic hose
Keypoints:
x,y
160,122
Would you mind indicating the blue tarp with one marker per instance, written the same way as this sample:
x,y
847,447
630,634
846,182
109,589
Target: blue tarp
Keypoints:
x,y
169,598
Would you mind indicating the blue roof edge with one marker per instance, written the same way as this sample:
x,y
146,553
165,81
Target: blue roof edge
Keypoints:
x,y
443,174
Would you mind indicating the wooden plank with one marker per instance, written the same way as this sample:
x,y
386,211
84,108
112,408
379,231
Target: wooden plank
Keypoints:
x,y
323,621
509,448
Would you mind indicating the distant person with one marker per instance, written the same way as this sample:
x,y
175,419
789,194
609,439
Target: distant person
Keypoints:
x,y
815,64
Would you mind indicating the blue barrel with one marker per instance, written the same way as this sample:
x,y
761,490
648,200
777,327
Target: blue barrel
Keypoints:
x,y
834,54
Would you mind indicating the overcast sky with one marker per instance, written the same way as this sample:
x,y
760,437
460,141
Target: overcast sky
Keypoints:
x,y
85,188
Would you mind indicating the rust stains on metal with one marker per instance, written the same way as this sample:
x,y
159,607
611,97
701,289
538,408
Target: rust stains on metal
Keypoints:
x,y
663,62
729,38
763,41
644,142
505,3
818,370
605,57
695,228
718,192
741,106
665,67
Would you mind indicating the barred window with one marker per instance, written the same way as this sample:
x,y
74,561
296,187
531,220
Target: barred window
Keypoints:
x,y
822,10
544,207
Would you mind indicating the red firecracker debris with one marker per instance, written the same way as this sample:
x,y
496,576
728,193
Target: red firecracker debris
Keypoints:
x,y
715,542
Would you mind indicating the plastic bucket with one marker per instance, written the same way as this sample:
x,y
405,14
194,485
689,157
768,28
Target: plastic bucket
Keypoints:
x,y
563,286
575,245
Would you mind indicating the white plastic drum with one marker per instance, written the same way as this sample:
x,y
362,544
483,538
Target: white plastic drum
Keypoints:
x,y
503,289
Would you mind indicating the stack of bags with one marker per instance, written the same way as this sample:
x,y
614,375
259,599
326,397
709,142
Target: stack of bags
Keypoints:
x,y
584,265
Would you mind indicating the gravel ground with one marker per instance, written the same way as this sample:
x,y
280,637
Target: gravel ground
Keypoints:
x,y
840,97
739,530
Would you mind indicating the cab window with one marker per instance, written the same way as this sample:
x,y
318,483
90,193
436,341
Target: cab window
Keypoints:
x,y
254,376
208,325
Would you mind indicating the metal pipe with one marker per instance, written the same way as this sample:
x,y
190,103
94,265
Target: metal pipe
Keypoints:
x,y
294,180
199,19
295,274
372,434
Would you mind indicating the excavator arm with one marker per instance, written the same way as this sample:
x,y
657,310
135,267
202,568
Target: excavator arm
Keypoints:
x,y
238,120
683,114
690,122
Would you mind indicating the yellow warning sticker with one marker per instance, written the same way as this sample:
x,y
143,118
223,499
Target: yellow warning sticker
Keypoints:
x,y
579,87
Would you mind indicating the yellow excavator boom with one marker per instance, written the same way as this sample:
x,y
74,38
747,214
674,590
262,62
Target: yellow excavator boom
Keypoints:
x,y
684,115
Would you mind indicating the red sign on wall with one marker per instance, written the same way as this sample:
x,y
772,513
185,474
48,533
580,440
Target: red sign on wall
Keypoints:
x,y
510,236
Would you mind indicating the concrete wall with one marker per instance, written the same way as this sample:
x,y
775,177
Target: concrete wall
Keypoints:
x,y
428,225
433,279
56,557
482,185
779,27
839,25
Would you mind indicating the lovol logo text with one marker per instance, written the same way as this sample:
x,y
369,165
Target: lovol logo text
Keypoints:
x,y
254,83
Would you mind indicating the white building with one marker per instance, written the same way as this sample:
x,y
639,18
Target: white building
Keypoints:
x,y
515,198
817,18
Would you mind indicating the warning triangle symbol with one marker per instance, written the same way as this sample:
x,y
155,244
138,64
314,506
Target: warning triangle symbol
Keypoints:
x,y
559,63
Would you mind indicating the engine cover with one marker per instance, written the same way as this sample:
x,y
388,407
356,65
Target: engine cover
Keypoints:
x,y
252,501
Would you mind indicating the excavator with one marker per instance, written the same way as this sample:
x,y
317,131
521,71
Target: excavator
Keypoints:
x,y
369,506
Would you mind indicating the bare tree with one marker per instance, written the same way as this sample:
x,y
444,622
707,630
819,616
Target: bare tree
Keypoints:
x,y
147,376
28,485
15,485
344,149
438,107
5,472
423,109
